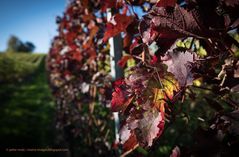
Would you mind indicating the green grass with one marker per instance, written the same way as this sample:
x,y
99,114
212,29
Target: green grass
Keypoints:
x,y
26,106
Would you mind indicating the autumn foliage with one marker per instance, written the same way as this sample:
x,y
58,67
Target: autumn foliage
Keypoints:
x,y
176,47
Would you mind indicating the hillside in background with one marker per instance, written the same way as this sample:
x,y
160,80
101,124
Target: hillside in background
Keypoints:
x,y
26,105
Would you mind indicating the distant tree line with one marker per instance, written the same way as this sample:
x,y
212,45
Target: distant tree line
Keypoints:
x,y
14,44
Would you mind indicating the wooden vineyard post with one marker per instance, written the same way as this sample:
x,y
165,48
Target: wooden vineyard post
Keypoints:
x,y
116,72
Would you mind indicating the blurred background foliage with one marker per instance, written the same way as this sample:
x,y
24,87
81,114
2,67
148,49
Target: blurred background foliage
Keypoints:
x,y
26,105
28,112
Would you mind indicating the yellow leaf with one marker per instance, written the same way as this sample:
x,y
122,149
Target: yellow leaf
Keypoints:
x,y
169,86
158,100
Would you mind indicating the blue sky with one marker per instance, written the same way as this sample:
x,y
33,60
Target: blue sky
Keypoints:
x,y
30,20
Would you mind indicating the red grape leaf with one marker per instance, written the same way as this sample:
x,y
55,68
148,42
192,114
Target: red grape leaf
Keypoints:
x,y
89,41
180,21
166,3
120,97
77,56
127,40
87,17
70,37
145,119
91,53
93,32
172,24
117,24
